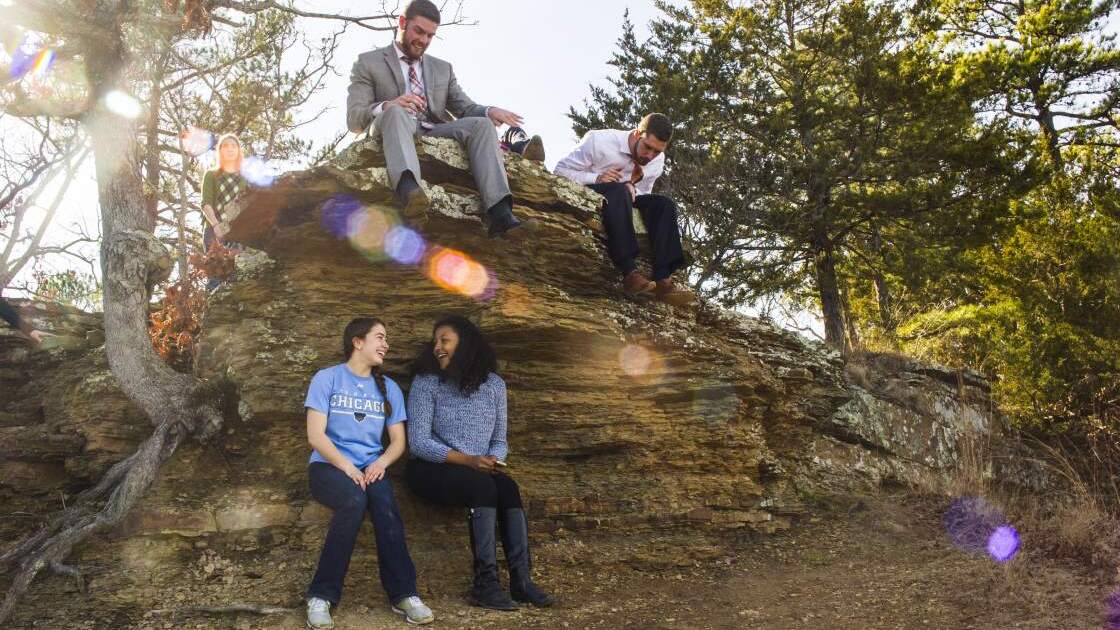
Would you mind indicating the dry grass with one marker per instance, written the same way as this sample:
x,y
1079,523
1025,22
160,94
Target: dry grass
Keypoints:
x,y
1077,517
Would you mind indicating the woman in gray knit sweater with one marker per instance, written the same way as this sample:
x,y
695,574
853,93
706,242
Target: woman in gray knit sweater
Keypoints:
x,y
457,436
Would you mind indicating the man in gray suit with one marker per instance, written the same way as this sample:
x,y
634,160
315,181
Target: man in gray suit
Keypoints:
x,y
405,93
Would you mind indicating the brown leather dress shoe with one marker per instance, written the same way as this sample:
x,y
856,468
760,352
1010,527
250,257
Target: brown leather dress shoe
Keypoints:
x,y
635,283
534,151
671,295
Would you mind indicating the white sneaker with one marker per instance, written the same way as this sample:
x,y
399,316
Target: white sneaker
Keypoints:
x,y
414,610
319,614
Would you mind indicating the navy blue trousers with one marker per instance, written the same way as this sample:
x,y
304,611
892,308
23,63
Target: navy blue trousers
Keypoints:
x,y
331,487
659,214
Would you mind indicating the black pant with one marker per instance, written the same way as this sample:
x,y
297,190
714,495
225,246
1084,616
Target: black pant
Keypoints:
x,y
659,214
451,484
10,314
331,487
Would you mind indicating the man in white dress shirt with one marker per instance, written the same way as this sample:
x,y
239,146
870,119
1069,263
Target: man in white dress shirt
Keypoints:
x,y
406,93
623,166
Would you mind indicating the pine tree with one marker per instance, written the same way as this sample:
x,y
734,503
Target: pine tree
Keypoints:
x,y
806,128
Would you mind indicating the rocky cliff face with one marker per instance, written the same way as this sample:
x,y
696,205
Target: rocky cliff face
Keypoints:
x,y
626,415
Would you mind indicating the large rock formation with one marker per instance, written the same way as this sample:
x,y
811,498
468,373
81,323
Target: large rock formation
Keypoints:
x,y
626,415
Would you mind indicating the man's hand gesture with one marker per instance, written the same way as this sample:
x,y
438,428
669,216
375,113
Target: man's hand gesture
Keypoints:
x,y
504,116
609,176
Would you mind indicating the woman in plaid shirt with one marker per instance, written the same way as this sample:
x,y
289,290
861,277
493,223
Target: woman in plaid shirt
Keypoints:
x,y
221,187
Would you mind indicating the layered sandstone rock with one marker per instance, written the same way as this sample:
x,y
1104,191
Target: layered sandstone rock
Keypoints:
x,y
626,415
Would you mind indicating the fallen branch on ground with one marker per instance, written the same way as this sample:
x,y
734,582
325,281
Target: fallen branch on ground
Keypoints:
x,y
256,609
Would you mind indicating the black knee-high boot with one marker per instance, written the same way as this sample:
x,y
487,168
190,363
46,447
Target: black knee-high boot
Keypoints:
x,y
487,590
515,539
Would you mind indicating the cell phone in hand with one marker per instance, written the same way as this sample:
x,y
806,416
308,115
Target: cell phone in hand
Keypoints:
x,y
500,463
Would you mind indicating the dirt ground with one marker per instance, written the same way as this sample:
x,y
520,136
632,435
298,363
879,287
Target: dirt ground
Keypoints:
x,y
859,564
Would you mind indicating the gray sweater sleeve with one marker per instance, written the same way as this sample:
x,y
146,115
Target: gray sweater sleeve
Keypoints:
x,y
498,446
421,411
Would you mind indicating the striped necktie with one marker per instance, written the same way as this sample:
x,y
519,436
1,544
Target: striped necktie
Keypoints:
x,y
637,175
416,88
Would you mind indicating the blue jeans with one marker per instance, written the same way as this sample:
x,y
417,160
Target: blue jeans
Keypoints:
x,y
331,487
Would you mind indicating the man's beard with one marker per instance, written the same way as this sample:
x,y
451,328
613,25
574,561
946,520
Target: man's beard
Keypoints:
x,y
634,152
409,49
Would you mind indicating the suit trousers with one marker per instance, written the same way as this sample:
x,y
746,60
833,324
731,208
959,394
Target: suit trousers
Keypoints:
x,y
399,131
659,214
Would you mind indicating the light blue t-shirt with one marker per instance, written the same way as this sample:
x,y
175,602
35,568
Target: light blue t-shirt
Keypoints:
x,y
355,412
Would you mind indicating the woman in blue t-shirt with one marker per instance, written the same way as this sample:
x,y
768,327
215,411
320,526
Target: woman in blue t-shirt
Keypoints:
x,y
348,406
457,436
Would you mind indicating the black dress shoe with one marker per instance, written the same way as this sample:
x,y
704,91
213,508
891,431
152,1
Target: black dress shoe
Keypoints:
x,y
519,231
500,219
412,198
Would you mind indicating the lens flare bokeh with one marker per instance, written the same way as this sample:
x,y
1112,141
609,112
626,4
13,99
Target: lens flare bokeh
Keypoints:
x,y
54,84
43,62
405,245
258,172
26,57
1112,610
1003,544
457,272
367,232
336,214
636,361
122,104
366,227
377,233
976,526
196,141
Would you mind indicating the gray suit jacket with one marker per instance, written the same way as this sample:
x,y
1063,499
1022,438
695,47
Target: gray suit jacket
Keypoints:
x,y
376,77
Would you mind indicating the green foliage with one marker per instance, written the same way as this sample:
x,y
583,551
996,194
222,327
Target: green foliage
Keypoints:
x,y
1045,65
1048,323
805,127
68,287
937,178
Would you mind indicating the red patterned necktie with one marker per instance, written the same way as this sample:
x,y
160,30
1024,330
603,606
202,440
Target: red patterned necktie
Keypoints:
x,y
637,175
417,89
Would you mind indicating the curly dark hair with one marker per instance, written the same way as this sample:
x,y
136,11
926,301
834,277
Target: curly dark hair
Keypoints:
x,y
472,363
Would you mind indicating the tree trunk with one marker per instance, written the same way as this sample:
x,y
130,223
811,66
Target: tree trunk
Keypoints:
x,y
828,289
132,262
1048,130
181,225
882,289
849,319
151,148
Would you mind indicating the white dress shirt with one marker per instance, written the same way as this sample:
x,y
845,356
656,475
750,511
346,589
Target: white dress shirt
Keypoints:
x,y
401,58
603,149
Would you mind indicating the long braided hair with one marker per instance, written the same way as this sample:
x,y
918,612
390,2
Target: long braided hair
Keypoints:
x,y
359,328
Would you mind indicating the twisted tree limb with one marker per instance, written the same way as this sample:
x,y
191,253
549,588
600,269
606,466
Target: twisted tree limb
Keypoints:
x,y
132,262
